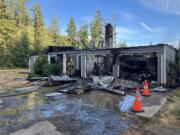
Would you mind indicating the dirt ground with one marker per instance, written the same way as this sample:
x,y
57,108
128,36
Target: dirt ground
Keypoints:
x,y
166,122
10,79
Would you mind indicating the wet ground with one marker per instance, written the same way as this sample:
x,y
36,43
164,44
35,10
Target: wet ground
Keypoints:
x,y
92,113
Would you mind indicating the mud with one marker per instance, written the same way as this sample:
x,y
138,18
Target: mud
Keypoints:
x,y
10,79
92,113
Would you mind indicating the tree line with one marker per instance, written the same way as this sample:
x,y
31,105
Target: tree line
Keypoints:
x,y
23,32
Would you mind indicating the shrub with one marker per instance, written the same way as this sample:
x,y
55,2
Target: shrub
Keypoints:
x,y
172,72
31,75
41,67
40,64
52,69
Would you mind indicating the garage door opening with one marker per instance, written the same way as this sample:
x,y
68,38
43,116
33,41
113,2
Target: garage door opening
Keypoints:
x,y
139,67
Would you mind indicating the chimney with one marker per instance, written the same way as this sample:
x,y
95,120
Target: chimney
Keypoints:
x,y
108,36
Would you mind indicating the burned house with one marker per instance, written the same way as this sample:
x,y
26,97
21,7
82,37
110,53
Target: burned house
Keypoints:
x,y
134,63
144,62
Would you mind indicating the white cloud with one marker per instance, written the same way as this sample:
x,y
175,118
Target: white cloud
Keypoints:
x,y
165,6
159,30
136,35
148,28
126,33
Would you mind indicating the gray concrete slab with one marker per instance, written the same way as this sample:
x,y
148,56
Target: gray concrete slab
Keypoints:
x,y
153,104
40,128
2,91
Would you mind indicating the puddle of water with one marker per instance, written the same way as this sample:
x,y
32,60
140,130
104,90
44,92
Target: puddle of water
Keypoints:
x,y
35,106
60,107
48,113
101,99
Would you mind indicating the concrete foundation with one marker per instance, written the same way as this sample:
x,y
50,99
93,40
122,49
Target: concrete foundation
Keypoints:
x,y
153,104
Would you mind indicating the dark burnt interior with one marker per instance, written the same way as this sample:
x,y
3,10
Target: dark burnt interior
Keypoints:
x,y
138,67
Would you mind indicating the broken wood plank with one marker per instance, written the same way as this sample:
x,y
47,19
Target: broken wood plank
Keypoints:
x,y
116,91
56,80
26,89
53,94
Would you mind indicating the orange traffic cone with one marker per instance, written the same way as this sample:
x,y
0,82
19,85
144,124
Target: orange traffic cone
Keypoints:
x,y
137,106
146,89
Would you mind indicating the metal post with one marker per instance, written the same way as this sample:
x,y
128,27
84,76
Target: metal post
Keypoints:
x,y
49,59
164,66
83,66
64,63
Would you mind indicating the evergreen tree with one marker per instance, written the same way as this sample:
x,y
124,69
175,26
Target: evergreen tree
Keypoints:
x,y
2,56
21,13
25,44
71,31
19,33
4,13
97,29
7,32
12,8
64,40
55,29
83,36
21,51
38,27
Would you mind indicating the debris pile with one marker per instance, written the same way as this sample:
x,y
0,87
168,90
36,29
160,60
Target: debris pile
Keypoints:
x,y
160,89
110,84
74,89
55,80
103,81
123,84
116,85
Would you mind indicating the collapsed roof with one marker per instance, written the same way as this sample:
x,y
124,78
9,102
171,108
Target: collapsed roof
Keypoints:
x,y
61,48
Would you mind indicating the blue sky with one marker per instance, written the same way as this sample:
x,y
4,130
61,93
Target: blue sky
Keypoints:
x,y
138,22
